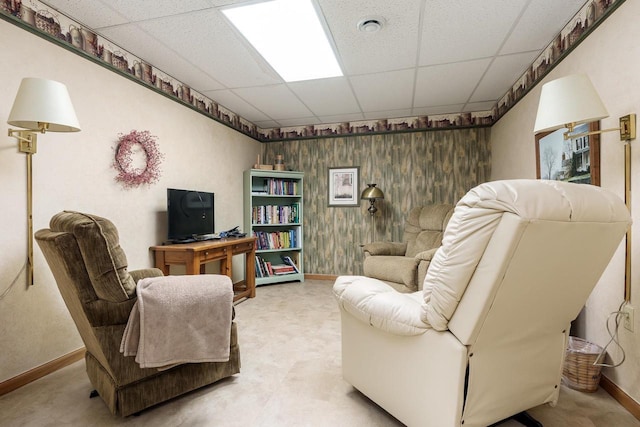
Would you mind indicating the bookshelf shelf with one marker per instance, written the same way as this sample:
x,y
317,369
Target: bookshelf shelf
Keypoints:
x,y
273,214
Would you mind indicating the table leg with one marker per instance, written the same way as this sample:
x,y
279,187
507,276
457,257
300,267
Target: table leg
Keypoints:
x,y
161,264
250,273
226,264
193,266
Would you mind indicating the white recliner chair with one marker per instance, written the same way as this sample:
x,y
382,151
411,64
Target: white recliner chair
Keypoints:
x,y
486,337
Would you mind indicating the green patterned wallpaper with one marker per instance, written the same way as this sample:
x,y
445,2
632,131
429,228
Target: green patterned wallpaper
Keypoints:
x,y
412,169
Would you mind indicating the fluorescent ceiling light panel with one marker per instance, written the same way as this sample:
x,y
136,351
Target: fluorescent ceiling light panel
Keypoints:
x,y
289,36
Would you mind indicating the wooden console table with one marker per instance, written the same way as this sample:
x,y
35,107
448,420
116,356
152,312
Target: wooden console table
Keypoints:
x,y
195,255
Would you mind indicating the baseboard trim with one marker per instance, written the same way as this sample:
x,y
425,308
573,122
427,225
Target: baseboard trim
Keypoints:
x,y
320,276
41,371
623,398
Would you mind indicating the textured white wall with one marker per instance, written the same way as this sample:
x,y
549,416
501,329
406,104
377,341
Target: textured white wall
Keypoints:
x,y
611,57
73,171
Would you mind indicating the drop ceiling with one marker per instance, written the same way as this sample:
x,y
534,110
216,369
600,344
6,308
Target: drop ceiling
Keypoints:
x,y
430,57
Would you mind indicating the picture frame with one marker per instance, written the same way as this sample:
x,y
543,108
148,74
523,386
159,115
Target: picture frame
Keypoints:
x,y
343,186
576,160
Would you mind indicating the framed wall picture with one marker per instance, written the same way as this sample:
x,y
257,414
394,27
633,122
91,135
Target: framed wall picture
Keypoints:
x,y
343,186
573,160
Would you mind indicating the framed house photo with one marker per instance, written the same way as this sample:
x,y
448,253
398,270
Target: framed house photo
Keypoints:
x,y
343,186
573,160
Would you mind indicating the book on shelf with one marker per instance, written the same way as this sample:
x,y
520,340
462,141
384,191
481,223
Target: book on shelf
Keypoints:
x,y
275,214
280,269
289,262
259,271
286,239
268,269
276,187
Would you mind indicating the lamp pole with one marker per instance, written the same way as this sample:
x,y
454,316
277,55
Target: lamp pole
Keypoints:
x,y
372,193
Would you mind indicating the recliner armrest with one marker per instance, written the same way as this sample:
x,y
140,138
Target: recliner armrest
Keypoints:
x,y
385,248
426,255
145,272
377,304
105,313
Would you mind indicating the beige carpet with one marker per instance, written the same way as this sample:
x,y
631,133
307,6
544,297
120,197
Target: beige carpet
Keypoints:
x,y
290,348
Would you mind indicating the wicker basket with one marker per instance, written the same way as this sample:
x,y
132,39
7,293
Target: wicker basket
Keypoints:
x,y
578,372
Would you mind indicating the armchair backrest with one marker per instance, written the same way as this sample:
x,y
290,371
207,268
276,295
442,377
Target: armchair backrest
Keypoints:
x,y
518,261
102,254
88,265
558,231
425,226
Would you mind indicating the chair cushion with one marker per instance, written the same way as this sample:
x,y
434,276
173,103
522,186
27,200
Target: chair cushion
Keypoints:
x,y
425,240
393,269
104,259
424,227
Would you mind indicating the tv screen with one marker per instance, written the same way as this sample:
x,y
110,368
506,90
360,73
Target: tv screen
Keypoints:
x,y
190,214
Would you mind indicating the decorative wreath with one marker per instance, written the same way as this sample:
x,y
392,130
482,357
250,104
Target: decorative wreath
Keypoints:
x,y
133,177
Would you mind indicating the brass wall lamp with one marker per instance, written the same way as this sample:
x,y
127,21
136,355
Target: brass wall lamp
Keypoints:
x,y
40,106
572,100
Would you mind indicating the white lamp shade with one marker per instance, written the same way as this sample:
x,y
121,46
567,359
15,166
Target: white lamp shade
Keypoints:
x,y
43,101
568,100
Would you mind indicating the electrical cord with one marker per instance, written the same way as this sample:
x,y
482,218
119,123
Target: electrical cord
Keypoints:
x,y
6,291
619,314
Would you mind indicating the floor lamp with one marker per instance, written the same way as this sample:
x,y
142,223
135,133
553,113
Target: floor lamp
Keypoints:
x,y
372,193
40,106
572,100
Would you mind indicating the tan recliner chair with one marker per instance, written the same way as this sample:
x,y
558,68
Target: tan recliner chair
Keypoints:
x,y
90,269
404,265
487,337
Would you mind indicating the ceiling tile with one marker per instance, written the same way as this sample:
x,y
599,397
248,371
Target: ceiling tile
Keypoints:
x,y
191,75
267,124
221,3
448,84
457,30
160,56
211,44
342,118
278,100
233,102
392,48
384,91
92,13
501,75
130,38
326,96
440,109
143,10
388,114
541,20
478,106
302,121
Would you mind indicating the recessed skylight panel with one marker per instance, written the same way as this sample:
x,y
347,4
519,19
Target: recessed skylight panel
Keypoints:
x,y
290,37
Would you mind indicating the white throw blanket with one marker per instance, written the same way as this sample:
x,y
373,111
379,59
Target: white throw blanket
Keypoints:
x,y
180,319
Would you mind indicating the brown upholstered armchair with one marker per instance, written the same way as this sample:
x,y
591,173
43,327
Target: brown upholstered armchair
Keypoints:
x,y
90,269
404,264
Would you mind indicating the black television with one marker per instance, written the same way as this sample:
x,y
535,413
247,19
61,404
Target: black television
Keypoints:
x,y
190,215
